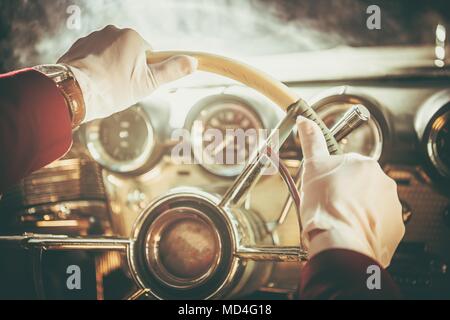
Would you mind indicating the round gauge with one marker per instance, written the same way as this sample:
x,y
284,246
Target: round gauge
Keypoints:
x,y
438,144
223,136
366,140
123,142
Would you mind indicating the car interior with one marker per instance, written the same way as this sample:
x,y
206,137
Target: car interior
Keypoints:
x,y
144,223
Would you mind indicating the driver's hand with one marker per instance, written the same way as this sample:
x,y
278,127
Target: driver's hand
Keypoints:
x,y
347,201
111,69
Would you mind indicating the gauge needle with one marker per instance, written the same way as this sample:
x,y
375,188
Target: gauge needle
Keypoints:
x,y
223,144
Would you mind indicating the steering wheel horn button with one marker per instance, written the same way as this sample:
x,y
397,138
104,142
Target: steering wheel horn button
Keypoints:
x,y
183,247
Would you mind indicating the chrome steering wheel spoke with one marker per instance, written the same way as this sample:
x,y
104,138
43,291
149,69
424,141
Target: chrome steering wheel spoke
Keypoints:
x,y
62,242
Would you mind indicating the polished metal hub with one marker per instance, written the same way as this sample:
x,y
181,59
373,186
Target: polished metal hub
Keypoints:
x,y
183,247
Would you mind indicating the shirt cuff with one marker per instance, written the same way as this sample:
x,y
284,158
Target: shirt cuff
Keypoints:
x,y
339,238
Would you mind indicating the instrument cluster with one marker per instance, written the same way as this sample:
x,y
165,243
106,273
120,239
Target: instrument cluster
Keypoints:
x,y
127,143
139,140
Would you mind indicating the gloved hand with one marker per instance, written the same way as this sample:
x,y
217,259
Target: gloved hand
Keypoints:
x,y
347,201
111,69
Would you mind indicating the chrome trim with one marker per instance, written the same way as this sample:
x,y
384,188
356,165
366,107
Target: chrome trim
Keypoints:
x,y
137,294
62,242
271,253
436,107
432,151
233,230
154,235
351,120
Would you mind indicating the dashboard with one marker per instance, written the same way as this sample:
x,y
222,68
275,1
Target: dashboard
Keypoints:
x,y
129,159
408,134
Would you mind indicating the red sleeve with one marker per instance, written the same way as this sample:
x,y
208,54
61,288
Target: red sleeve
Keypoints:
x,y
343,274
35,125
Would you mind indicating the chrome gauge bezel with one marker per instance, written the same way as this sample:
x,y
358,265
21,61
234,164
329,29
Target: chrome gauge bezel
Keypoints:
x,y
431,144
430,118
99,154
213,104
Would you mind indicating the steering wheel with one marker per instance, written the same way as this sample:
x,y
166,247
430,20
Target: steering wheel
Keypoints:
x,y
193,244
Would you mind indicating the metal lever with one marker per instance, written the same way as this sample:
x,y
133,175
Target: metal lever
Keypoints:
x,y
351,120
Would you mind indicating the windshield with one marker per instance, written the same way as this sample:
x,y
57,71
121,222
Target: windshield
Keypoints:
x,y
40,31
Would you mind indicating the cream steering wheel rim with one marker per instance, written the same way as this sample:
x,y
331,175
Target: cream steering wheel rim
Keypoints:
x,y
254,78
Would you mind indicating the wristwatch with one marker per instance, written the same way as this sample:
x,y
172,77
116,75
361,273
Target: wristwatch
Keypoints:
x,y
69,87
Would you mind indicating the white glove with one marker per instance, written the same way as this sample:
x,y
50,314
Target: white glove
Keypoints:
x,y
111,68
347,201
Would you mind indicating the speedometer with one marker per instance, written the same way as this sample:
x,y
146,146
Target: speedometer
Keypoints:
x,y
224,134
366,140
123,142
124,137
